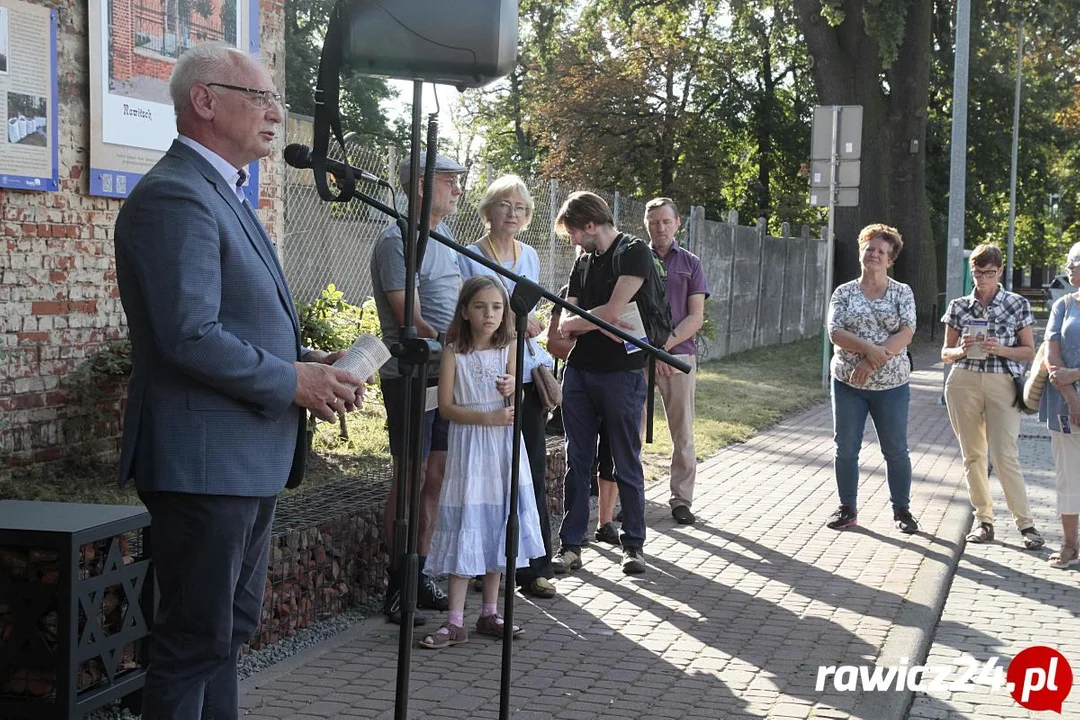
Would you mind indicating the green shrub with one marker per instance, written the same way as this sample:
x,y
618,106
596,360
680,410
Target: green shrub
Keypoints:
x,y
331,323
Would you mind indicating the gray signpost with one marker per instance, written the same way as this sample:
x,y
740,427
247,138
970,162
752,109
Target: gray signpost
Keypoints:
x,y
835,149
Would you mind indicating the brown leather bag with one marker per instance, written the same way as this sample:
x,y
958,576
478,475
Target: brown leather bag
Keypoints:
x,y
547,387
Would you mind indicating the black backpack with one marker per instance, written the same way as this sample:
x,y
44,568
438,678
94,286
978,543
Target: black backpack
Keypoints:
x,y
651,298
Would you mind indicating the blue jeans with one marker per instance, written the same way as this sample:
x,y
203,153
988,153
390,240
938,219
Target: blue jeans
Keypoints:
x,y
617,399
889,409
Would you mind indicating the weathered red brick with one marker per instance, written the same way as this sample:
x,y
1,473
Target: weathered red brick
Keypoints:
x,y
28,400
32,337
47,307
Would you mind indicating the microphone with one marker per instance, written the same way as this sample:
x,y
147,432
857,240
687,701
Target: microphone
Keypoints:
x,y
299,156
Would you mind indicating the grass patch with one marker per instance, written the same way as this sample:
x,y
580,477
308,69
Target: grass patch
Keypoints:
x,y
739,395
736,397
333,458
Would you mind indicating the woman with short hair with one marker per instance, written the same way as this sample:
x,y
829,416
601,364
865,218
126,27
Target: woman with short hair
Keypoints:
x,y
988,340
871,323
506,209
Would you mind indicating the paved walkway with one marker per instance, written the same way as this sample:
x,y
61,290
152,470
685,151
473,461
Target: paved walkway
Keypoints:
x,y
1005,599
735,614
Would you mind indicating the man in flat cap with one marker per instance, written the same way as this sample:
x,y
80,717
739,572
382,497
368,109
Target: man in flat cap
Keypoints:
x,y
437,284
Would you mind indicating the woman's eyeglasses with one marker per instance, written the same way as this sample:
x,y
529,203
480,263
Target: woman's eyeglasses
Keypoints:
x,y
516,209
986,273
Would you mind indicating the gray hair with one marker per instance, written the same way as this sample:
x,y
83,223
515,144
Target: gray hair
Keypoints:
x,y
198,64
501,189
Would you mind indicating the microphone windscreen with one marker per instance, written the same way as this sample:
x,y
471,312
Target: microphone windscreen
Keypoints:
x,y
297,155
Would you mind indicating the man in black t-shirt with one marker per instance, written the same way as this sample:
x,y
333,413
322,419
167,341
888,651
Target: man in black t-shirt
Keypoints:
x,y
602,381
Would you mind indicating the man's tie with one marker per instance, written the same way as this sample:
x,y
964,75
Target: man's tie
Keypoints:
x,y
241,178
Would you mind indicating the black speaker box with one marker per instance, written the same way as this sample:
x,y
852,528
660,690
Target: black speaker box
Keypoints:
x,y
467,43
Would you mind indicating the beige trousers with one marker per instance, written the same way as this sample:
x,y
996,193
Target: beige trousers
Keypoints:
x,y
987,424
677,392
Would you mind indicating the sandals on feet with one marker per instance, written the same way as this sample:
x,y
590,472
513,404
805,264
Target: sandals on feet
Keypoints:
x,y
1033,539
444,637
493,625
981,533
1067,557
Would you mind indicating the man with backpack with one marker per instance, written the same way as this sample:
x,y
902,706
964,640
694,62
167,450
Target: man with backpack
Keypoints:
x,y
686,290
603,381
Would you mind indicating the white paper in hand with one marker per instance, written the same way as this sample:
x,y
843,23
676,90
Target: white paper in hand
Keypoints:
x,y
630,316
364,357
978,329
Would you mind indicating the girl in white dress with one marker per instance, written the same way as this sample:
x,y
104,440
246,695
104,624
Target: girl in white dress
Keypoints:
x,y
475,383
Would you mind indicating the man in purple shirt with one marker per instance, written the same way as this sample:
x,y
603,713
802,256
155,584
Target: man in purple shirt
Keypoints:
x,y
686,293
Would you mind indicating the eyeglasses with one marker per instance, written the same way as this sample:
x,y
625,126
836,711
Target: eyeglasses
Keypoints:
x,y
515,208
261,99
985,273
454,181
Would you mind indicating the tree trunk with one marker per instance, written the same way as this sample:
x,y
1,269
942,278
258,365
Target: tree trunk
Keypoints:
x,y
909,79
847,70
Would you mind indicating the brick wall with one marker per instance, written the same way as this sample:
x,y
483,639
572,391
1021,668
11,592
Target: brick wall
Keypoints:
x,y
58,298
150,65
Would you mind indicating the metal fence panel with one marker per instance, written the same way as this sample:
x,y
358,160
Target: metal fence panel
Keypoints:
x,y
332,243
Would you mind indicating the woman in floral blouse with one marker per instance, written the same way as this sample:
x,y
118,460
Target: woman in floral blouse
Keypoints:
x,y
871,323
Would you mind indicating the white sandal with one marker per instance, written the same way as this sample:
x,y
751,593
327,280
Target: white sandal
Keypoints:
x,y
1067,557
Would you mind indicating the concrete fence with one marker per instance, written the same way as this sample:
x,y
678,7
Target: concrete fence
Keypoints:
x,y
765,290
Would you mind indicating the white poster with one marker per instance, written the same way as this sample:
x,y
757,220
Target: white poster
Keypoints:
x,y
29,158
134,45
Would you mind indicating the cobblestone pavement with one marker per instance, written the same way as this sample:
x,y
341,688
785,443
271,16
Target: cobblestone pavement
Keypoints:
x,y
733,617
1004,599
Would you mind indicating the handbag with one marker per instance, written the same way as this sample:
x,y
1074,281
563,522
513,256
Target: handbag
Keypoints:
x,y
1036,381
547,387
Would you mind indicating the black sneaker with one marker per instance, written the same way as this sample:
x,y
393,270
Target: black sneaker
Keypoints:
x,y
843,518
392,610
431,597
633,563
682,515
905,522
608,533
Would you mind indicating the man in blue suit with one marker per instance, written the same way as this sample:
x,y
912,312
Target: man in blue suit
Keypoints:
x,y
215,422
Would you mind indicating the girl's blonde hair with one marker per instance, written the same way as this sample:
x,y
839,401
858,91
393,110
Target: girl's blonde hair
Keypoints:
x,y
460,332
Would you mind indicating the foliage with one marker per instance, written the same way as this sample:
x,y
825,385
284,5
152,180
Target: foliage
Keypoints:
x,y
704,102
330,323
1049,139
228,20
305,26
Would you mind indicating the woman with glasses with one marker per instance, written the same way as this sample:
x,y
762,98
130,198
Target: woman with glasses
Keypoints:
x,y
506,210
988,340
871,323
1060,409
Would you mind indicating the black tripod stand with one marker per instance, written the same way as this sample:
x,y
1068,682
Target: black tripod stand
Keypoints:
x,y
414,356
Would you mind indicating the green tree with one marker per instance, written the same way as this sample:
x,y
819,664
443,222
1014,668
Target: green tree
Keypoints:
x,y
1048,140
305,26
